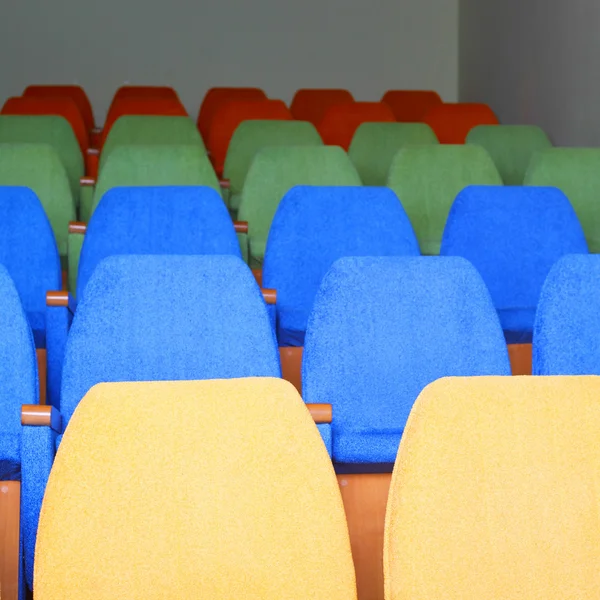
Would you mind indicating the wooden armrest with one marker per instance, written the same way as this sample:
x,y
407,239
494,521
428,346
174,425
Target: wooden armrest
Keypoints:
x,y
240,226
321,413
270,296
40,415
225,183
61,299
93,152
87,182
97,130
77,227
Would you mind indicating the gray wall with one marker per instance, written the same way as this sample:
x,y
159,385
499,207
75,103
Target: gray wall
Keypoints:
x,y
193,45
534,61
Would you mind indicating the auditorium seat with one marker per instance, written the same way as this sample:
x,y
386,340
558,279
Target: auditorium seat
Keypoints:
x,y
274,172
230,115
145,91
411,106
511,147
575,171
252,136
427,179
311,104
247,504
340,121
452,122
374,146
496,490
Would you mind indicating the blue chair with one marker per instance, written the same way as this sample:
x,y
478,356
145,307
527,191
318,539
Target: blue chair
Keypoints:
x,y
513,236
153,318
382,329
312,228
566,334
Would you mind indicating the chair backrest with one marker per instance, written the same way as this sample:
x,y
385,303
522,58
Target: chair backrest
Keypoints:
x,y
311,104
374,146
427,179
340,121
217,96
230,115
511,147
37,166
274,171
452,122
146,318
145,91
565,334
575,171
411,106
381,329
495,492
252,136
75,92
156,220
314,226
513,236
250,486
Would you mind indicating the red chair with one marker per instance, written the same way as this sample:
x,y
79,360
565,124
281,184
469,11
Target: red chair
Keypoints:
x,y
411,106
145,91
311,104
452,122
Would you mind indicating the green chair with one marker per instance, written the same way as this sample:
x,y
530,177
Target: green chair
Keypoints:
x,y
374,146
511,147
575,171
276,170
38,167
52,130
427,179
251,137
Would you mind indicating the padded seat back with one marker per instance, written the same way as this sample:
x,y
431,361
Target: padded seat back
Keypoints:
x,y
311,104
75,92
452,122
411,106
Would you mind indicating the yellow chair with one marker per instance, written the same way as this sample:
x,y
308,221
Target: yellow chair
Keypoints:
x,y
496,492
209,489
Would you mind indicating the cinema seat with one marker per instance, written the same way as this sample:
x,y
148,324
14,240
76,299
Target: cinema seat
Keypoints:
x,y
452,122
311,104
411,106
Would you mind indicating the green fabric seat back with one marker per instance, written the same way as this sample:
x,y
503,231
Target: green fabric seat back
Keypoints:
x,y
47,129
511,147
150,130
427,179
374,146
575,171
38,167
276,170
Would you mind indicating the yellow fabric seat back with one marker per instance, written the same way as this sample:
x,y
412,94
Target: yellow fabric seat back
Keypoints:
x,y
210,489
496,492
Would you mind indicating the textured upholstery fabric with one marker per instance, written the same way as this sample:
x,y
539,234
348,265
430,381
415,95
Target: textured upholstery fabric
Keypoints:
x,y
251,510
427,179
75,92
565,335
495,492
511,147
513,236
156,220
411,106
311,104
575,171
312,228
230,115
452,122
340,121
274,171
381,329
374,146
215,97
145,91
38,167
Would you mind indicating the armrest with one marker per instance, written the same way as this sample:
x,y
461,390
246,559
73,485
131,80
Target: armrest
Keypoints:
x,y
258,276
78,227
321,413
61,299
39,415
97,130
240,226
270,296
87,182
93,152
225,184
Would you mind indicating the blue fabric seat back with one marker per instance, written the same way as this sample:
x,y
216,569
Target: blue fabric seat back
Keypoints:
x,y
513,236
313,227
566,334
382,329
146,318
156,220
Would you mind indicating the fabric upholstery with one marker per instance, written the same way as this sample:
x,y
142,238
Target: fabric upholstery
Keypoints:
x,y
374,146
452,122
427,179
145,91
312,228
381,329
274,171
411,106
575,171
495,492
511,147
513,236
75,92
311,104
215,531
